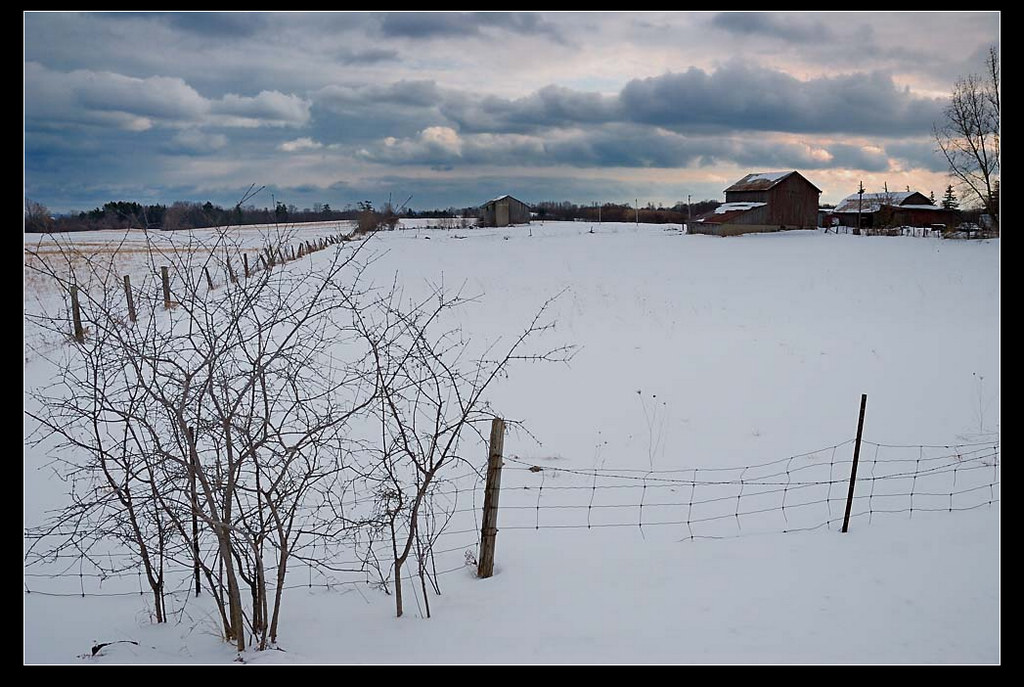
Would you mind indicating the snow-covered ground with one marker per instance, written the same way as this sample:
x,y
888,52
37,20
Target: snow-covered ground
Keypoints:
x,y
706,368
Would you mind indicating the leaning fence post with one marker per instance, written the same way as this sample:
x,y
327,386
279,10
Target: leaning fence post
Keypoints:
x,y
489,529
167,287
856,456
76,315
209,279
131,301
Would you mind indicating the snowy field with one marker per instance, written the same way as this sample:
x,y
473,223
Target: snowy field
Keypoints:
x,y
674,493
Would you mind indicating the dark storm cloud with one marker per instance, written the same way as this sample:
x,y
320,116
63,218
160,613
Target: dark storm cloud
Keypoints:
x,y
420,93
552,106
223,25
735,97
461,25
752,98
342,114
789,27
625,146
608,146
367,56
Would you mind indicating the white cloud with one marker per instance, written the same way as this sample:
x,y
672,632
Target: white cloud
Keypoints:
x,y
299,145
269,108
442,137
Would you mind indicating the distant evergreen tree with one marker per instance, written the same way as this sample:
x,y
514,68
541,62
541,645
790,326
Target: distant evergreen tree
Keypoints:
x,y
949,200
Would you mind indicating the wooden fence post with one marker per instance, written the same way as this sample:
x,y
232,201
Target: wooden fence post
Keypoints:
x,y
131,302
489,528
167,287
231,272
209,279
856,456
76,315
245,261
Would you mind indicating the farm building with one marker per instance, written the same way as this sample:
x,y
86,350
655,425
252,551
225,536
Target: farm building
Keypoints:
x,y
761,202
893,209
503,211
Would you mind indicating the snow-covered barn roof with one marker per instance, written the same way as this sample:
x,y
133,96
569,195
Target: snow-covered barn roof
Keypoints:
x,y
728,212
762,181
731,207
872,202
495,200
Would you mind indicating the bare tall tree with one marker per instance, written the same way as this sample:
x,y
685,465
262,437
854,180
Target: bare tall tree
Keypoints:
x,y
968,137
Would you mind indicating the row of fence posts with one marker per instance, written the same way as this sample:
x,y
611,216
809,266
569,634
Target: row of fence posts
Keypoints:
x,y
266,257
489,527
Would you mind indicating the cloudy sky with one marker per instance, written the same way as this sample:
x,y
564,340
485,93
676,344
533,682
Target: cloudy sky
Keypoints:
x,y
456,108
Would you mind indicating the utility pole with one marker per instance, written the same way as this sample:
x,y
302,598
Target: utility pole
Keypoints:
x,y
860,205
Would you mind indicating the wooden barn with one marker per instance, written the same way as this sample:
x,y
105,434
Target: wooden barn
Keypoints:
x,y
504,211
762,202
894,209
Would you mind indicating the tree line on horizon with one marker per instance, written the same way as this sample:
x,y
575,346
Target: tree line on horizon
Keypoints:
x,y
184,215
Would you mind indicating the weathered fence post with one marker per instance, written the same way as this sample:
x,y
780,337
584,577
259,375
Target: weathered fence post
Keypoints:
x,y
167,287
231,272
76,315
489,528
856,456
209,279
245,261
131,301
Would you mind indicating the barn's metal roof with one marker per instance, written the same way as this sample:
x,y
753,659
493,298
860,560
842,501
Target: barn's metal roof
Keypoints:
x,y
728,212
762,181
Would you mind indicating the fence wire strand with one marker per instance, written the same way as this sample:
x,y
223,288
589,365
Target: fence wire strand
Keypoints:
x,y
788,495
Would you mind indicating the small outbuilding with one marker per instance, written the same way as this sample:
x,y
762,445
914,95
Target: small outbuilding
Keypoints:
x,y
504,211
763,202
893,209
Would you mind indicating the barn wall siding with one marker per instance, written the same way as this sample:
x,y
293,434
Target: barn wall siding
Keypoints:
x,y
504,212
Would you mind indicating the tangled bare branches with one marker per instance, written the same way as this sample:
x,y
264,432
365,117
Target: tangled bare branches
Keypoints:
x,y
222,429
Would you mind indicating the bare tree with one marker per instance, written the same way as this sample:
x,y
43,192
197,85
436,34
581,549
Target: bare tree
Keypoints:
x,y
37,218
430,403
968,137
